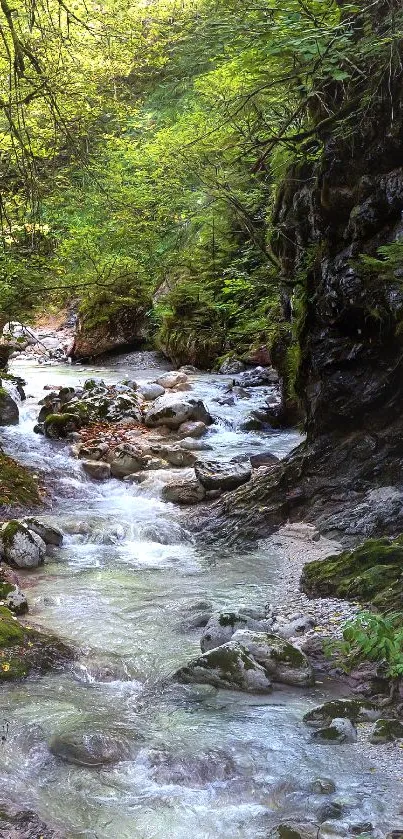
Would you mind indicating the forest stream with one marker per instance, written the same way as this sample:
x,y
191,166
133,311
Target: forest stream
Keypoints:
x,y
196,761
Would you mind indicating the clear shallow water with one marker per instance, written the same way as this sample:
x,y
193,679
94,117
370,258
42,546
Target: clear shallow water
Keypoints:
x,y
200,763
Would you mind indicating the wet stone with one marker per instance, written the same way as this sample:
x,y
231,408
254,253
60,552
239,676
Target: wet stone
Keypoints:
x,y
89,748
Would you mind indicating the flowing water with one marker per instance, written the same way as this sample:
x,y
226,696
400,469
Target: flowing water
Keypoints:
x,y
196,762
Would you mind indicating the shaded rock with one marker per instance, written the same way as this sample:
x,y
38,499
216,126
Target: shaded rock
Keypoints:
x,y
296,627
281,661
356,710
58,426
98,451
172,411
9,413
232,366
97,469
185,491
192,429
257,377
323,786
222,476
172,379
21,547
263,459
294,830
176,456
340,730
16,601
386,731
151,391
229,666
50,534
127,327
25,824
89,748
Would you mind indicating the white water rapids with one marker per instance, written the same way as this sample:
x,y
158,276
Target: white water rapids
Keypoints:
x,y
203,764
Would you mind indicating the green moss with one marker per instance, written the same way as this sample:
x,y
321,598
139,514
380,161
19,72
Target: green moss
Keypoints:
x,y
352,709
285,653
9,531
371,573
386,731
11,632
17,486
60,419
230,619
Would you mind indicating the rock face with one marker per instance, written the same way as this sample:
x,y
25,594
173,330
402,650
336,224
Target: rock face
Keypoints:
x,y
172,410
9,413
329,211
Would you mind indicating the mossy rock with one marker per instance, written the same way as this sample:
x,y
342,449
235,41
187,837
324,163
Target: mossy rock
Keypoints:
x,y
17,486
294,830
355,710
59,425
229,666
24,650
371,574
386,731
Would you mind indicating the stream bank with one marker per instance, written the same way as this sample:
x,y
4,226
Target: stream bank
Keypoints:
x,y
121,589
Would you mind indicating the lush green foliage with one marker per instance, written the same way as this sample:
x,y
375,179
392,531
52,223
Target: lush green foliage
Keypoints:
x,y
143,144
374,637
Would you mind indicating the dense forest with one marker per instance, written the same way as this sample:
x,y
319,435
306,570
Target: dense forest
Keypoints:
x,y
144,149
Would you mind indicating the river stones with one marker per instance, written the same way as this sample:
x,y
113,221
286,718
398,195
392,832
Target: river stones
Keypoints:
x,y
89,748
176,456
172,411
192,445
192,429
187,491
9,413
20,546
57,426
386,731
229,666
151,391
294,830
172,379
231,367
222,476
97,469
356,710
25,824
281,661
296,627
257,377
339,730
127,460
323,786
50,534
221,628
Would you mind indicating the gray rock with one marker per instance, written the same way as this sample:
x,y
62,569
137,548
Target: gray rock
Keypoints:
x,y
340,730
222,626
151,391
333,830
263,459
323,786
172,411
172,379
192,445
229,666
17,602
9,413
257,377
356,710
281,661
21,546
126,462
232,366
89,748
50,534
187,491
192,429
295,627
176,455
98,451
97,469
222,476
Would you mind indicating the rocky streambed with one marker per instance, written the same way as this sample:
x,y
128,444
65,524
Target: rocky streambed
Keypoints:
x,y
181,709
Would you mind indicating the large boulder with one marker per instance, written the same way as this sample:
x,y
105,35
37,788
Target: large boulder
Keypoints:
x,y
20,546
229,666
339,730
9,413
127,459
58,426
176,456
151,391
192,429
127,327
171,410
187,491
281,661
356,710
222,476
